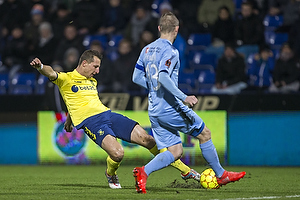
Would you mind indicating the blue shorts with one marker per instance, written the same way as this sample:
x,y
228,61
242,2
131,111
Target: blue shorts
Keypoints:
x,y
108,123
166,128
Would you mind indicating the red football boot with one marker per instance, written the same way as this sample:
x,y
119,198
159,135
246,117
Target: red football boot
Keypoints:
x,y
140,179
228,177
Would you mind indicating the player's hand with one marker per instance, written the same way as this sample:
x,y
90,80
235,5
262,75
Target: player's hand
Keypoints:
x,y
68,126
191,100
36,63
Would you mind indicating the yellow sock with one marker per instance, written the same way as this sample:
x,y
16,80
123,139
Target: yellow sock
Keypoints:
x,y
178,164
154,150
183,168
112,166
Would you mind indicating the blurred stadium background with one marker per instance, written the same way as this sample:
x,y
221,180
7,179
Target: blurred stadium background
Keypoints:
x,y
251,128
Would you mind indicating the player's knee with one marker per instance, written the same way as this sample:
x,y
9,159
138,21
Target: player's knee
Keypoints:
x,y
177,155
149,140
205,135
176,151
117,155
140,136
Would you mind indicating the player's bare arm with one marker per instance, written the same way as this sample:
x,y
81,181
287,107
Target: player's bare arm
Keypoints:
x,y
68,124
45,70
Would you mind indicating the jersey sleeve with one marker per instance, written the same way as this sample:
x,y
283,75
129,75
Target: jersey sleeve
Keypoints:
x,y
139,72
166,64
61,77
167,83
166,60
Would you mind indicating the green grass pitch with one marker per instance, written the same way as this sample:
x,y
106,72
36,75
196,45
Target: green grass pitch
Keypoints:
x,y
89,182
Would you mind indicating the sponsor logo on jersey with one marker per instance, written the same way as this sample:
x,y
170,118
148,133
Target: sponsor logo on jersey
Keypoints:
x,y
75,88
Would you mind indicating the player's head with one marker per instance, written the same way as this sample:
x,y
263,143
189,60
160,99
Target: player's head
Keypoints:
x,y
168,23
89,63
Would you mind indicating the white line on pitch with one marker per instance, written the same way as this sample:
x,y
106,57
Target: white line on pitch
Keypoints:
x,y
267,197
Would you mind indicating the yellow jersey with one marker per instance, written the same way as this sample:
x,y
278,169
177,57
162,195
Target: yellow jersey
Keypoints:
x,y
80,95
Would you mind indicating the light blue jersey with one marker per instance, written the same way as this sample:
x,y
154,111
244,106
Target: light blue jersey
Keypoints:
x,y
160,56
157,70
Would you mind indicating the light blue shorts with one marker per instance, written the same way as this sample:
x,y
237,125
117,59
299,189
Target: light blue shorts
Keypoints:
x,y
166,128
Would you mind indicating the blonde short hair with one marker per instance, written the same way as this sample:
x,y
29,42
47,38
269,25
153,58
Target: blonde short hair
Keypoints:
x,y
168,22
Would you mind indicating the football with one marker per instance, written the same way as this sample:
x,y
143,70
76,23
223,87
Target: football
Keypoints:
x,y
208,179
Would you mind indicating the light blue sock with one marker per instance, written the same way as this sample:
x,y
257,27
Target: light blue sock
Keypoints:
x,y
160,161
210,155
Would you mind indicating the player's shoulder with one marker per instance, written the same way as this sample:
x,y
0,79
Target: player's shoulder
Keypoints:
x,y
72,74
65,75
93,80
149,48
168,45
170,49
173,48
152,44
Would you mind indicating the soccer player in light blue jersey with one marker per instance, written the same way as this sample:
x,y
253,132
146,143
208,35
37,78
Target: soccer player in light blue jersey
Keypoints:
x,y
157,70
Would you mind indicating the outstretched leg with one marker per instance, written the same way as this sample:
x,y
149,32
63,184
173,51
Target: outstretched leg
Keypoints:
x,y
210,155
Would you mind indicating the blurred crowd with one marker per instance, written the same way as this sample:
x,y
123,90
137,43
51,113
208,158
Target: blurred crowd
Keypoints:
x,y
246,55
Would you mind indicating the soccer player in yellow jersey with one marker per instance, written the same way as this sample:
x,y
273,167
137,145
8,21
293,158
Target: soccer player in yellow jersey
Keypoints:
x,y
79,91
